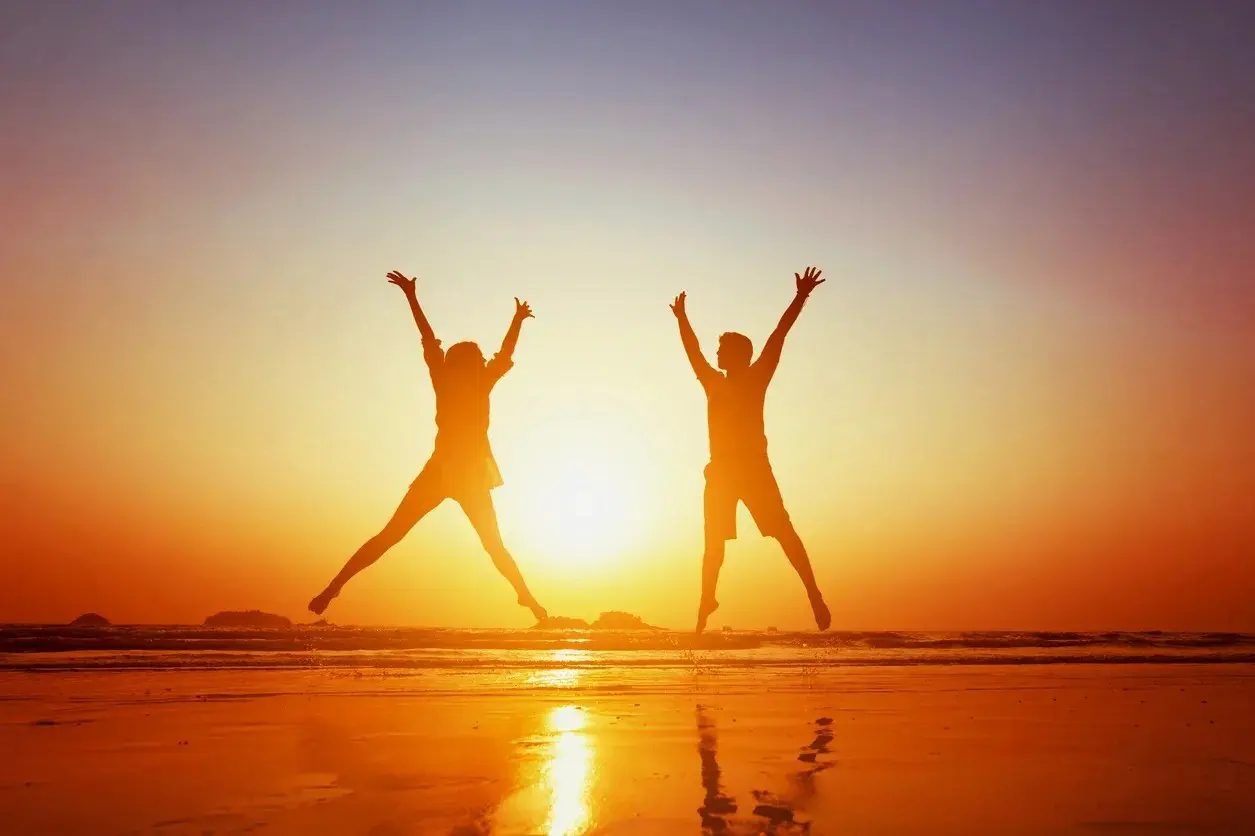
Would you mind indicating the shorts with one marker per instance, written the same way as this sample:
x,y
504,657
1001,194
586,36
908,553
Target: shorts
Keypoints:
x,y
755,485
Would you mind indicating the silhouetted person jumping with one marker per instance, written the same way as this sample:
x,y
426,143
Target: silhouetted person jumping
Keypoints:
x,y
739,470
462,467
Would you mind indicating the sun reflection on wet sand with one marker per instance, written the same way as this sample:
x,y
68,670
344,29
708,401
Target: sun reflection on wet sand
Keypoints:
x,y
555,780
568,771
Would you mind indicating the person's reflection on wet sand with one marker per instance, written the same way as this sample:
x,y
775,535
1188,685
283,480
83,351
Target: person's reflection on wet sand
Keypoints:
x,y
715,805
778,811
804,780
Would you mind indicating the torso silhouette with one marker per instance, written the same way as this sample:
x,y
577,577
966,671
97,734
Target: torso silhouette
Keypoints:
x,y
734,413
463,410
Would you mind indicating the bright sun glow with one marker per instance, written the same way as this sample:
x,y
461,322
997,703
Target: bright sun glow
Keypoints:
x,y
584,501
568,771
557,771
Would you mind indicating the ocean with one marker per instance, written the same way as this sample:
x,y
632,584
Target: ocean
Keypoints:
x,y
27,647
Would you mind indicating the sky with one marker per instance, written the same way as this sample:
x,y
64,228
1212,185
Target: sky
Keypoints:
x,y
1024,398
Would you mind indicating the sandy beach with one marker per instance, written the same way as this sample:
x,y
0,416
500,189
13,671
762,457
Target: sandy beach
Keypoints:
x,y
1018,749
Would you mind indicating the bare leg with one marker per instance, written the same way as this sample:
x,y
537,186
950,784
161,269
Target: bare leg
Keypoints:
x,y
712,562
796,552
483,516
422,497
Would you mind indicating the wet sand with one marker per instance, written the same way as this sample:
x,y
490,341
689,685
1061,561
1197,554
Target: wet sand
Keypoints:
x,y
1085,749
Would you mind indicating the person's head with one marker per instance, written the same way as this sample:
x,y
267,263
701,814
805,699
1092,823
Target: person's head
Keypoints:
x,y
464,357
735,351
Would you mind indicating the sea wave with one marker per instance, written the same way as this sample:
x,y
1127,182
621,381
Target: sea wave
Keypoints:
x,y
43,647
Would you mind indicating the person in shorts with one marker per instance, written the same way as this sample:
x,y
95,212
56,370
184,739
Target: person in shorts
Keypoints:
x,y
739,470
462,467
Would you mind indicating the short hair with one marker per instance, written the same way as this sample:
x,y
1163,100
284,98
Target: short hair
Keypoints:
x,y
737,345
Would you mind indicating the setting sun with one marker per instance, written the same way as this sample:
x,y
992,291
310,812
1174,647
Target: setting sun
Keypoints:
x,y
585,500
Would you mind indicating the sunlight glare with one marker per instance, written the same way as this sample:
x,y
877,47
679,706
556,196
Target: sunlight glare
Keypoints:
x,y
568,771
585,499
555,678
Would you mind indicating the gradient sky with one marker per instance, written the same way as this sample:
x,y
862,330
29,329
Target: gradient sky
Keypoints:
x,y
1024,399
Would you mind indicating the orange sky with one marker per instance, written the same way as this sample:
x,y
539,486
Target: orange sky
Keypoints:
x,y
1024,398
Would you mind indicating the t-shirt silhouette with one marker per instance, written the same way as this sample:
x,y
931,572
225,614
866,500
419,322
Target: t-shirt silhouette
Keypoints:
x,y
734,415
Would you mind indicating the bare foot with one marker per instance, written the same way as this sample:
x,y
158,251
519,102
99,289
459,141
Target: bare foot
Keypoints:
x,y
319,604
704,611
823,618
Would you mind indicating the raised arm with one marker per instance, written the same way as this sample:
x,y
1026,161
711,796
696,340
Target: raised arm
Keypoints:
x,y
770,356
504,359
432,352
692,347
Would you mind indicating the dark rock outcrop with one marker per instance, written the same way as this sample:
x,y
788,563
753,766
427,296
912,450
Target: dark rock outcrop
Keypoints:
x,y
615,620
247,618
561,622
90,619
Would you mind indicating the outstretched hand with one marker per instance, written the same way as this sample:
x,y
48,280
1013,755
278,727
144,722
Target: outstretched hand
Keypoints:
x,y
522,310
399,279
808,281
677,307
